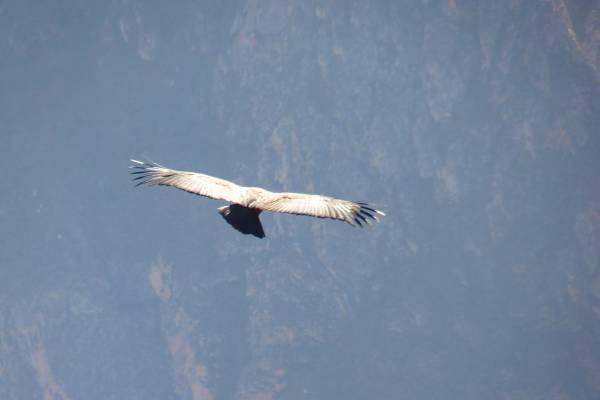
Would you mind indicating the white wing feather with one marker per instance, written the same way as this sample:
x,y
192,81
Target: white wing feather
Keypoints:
x,y
318,206
192,182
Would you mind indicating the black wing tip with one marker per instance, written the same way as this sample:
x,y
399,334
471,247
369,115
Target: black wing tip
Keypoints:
x,y
365,215
370,208
143,172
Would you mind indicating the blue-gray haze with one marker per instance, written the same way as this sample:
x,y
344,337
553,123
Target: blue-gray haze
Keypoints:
x,y
474,125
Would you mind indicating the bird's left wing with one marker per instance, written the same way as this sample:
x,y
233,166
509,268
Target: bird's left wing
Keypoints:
x,y
204,185
319,206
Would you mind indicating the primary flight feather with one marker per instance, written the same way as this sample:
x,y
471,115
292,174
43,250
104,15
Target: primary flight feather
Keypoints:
x,y
248,202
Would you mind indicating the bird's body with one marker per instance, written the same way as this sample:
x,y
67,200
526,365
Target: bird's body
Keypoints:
x,y
248,202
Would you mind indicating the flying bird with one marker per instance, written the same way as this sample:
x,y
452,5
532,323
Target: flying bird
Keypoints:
x,y
246,203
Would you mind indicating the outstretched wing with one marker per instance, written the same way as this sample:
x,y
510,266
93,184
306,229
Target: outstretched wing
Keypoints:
x,y
319,206
204,185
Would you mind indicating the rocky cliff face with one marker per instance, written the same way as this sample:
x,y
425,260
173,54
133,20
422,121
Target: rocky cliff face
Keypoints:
x,y
475,126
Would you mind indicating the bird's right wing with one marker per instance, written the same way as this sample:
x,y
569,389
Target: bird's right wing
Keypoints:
x,y
151,174
319,206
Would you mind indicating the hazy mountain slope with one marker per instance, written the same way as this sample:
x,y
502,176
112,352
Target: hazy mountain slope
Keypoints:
x,y
474,126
